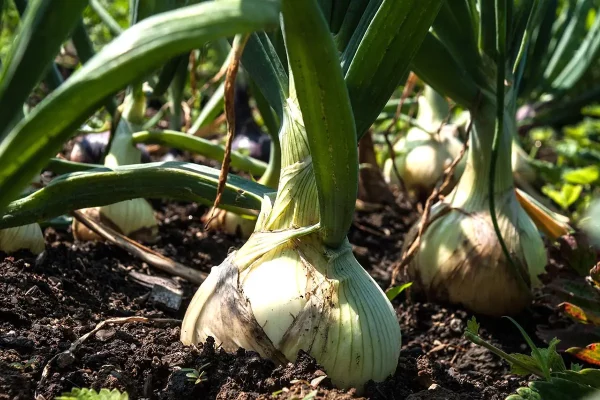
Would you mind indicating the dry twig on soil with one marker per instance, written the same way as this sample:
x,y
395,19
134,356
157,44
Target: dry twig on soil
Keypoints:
x,y
145,254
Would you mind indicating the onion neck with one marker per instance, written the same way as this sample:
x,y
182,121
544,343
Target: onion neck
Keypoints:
x,y
296,203
471,192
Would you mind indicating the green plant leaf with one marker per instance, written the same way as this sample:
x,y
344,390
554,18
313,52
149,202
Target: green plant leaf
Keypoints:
x,y
551,357
525,359
568,194
102,186
45,26
454,29
450,80
261,61
338,12
210,111
473,326
580,62
582,176
353,15
540,359
183,141
91,394
176,92
396,290
269,118
557,388
530,19
525,394
166,75
327,115
61,166
538,49
568,41
353,37
575,367
561,389
577,292
136,52
106,18
587,376
384,54
85,51
487,30
141,9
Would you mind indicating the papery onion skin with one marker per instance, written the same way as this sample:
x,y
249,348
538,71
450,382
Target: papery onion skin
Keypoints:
x,y
133,218
336,313
460,261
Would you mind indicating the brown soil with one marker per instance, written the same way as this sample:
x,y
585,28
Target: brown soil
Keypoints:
x,y
48,302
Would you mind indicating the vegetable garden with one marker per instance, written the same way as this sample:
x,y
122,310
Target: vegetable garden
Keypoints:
x,y
319,199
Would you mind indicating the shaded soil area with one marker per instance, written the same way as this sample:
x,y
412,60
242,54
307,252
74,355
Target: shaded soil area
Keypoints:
x,y
47,303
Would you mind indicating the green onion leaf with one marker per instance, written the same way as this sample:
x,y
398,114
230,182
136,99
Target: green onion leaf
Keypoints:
x,y
103,186
327,115
138,51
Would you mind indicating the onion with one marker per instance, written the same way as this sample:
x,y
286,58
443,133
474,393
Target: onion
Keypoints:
x,y
285,291
460,259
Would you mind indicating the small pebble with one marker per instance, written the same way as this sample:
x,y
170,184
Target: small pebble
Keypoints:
x,y
65,359
105,334
168,297
457,325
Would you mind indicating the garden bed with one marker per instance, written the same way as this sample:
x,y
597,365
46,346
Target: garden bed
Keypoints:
x,y
49,302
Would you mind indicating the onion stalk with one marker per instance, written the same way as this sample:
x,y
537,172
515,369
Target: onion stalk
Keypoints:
x,y
285,291
134,218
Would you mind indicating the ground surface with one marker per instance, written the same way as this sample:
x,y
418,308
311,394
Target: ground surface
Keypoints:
x,y
48,302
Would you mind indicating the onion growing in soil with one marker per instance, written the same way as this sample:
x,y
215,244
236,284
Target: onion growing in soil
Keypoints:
x,y
423,154
460,258
284,290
